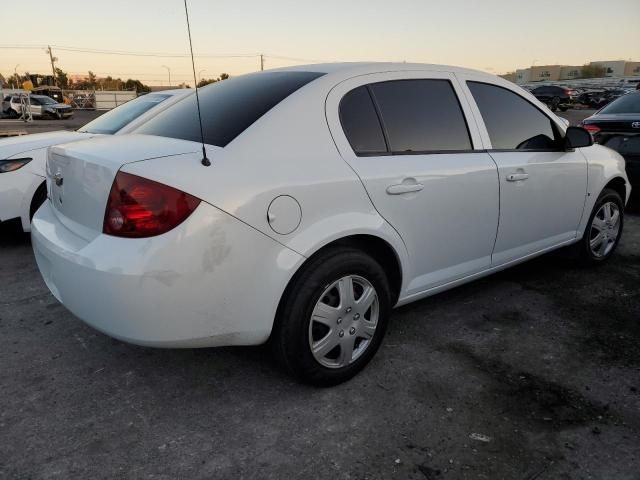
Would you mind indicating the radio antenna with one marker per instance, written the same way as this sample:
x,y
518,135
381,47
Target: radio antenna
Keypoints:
x,y
205,161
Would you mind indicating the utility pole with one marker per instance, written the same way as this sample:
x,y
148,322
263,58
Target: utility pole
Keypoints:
x,y
261,62
53,68
169,71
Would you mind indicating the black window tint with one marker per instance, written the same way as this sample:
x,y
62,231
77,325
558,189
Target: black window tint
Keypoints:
x,y
360,122
629,103
512,122
34,101
228,107
421,116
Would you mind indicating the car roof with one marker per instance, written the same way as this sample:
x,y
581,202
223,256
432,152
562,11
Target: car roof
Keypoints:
x,y
362,68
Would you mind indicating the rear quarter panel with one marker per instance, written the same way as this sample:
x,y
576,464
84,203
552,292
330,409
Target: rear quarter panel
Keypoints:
x,y
604,165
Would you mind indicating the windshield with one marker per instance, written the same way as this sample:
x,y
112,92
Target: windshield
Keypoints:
x,y
629,103
228,107
114,120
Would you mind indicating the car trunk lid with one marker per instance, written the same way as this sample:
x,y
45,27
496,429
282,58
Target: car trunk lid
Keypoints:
x,y
80,175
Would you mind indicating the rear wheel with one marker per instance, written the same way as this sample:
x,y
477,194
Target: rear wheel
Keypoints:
x,y
555,101
333,317
604,229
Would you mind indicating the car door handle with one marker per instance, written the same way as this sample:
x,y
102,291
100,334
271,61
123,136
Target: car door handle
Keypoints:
x,y
401,188
515,177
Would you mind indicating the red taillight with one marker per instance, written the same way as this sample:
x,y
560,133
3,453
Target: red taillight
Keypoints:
x,y
591,128
138,207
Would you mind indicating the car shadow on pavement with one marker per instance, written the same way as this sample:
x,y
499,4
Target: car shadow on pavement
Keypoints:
x,y
11,234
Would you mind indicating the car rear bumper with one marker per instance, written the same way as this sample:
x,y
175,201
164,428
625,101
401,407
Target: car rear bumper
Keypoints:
x,y
210,281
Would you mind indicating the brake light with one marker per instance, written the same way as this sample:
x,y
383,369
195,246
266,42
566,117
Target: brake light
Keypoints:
x,y
591,128
138,207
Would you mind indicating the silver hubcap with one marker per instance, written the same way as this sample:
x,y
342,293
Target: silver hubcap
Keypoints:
x,y
605,229
343,321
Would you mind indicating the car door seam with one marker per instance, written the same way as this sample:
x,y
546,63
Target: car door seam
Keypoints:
x,y
495,240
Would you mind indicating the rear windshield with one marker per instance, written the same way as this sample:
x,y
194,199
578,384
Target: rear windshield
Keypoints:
x,y
228,107
116,119
629,103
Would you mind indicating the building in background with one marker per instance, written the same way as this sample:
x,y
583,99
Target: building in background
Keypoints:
x,y
570,72
632,69
523,75
552,73
612,68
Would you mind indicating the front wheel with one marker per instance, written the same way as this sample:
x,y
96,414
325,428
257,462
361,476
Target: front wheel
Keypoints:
x,y
333,317
604,230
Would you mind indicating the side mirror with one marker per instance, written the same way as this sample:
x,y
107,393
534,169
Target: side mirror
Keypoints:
x,y
577,137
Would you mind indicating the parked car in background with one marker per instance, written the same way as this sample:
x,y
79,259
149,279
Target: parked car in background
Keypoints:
x,y
598,98
555,97
617,126
333,193
49,91
6,104
40,106
23,158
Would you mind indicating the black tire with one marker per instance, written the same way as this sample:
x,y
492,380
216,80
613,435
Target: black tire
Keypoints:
x,y
38,199
290,339
555,101
585,254
564,109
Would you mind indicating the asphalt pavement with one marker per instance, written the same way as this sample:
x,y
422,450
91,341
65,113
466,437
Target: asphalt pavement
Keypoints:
x,y
80,118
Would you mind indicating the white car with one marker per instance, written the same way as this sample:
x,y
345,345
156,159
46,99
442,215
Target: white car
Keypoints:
x,y
22,159
40,106
335,192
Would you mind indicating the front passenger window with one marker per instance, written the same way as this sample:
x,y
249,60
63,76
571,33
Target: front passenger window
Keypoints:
x,y
512,122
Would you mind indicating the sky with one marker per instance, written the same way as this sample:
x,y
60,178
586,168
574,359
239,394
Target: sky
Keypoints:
x,y
491,35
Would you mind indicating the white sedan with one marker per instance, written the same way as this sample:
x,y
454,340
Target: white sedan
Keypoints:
x,y
335,192
22,159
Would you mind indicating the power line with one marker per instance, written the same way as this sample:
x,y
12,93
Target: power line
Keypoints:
x,y
128,53
157,54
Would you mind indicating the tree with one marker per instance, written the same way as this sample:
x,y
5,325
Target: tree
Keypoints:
x,y
92,79
136,85
207,81
62,79
593,70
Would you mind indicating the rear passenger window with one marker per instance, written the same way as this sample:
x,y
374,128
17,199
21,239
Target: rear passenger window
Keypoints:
x,y
360,122
512,122
421,116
